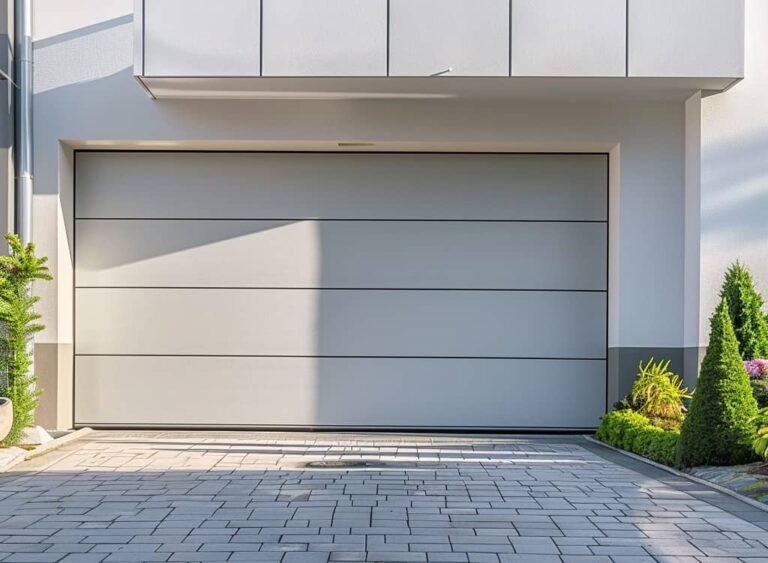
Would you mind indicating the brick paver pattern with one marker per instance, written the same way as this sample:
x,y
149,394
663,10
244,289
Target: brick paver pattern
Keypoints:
x,y
185,497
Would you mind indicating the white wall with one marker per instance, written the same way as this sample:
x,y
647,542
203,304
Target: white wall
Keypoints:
x,y
734,172
85,93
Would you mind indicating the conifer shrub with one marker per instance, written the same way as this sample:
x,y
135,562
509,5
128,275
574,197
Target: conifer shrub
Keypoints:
x,y
719,428
745,310
18,323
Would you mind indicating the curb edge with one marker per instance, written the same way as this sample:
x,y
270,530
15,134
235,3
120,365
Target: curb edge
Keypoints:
x,y
675,472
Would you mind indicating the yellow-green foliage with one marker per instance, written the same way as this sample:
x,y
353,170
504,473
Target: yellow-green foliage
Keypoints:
x,y
658,393
761,440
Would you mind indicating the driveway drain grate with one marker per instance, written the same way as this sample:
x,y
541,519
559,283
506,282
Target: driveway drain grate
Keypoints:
x,y
341,464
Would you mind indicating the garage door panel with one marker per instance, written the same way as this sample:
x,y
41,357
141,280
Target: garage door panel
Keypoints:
x,y
340,289
341,254
341,186
341,323
339,392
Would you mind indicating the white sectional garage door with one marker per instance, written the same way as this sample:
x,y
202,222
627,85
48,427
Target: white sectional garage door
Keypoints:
x,y
336,289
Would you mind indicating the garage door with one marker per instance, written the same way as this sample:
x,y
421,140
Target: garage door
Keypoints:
x,y
337,289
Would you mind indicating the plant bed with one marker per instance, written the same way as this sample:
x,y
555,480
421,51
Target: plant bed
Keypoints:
x,y
647,422
714,435
750,480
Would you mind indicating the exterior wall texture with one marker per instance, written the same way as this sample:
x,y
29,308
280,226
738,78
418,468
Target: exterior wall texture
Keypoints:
x,y
86,96
734,171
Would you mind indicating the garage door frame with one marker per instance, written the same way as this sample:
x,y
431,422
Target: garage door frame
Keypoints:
x,y
605,292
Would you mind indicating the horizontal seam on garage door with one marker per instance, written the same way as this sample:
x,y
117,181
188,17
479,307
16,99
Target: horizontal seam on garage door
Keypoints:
x,y
336,152
602,359
270,288
330,427
341,220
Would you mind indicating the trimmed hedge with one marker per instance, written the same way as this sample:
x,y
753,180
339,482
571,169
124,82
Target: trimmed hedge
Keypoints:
x,y
631,431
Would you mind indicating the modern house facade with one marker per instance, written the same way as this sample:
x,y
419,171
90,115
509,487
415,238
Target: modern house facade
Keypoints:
x,y
387,213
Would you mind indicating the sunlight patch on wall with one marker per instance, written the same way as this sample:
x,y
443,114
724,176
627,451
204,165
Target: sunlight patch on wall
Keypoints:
x,y
76,58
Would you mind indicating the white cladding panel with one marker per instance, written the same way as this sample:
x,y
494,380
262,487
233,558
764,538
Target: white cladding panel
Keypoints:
x,y
568,38
202,38
686,38
452,37
325,38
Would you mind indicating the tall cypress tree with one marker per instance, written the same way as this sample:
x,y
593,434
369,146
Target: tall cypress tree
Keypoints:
x,y
719,429
745,306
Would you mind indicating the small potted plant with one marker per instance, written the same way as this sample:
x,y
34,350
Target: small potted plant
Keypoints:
x,y
6,417
6,407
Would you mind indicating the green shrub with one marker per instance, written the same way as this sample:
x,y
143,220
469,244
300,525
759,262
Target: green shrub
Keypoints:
x,y
760,443
657,444
19,323
760,392
658,394
719,428
745,309
634,432
615,425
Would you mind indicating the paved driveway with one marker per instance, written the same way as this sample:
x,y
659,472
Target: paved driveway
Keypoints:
x,y
167,496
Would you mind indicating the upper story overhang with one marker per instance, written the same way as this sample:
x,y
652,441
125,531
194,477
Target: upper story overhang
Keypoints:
x,y
422,49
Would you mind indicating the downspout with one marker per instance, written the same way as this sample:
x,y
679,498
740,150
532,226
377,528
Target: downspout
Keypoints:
x,y
22,139
23,118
